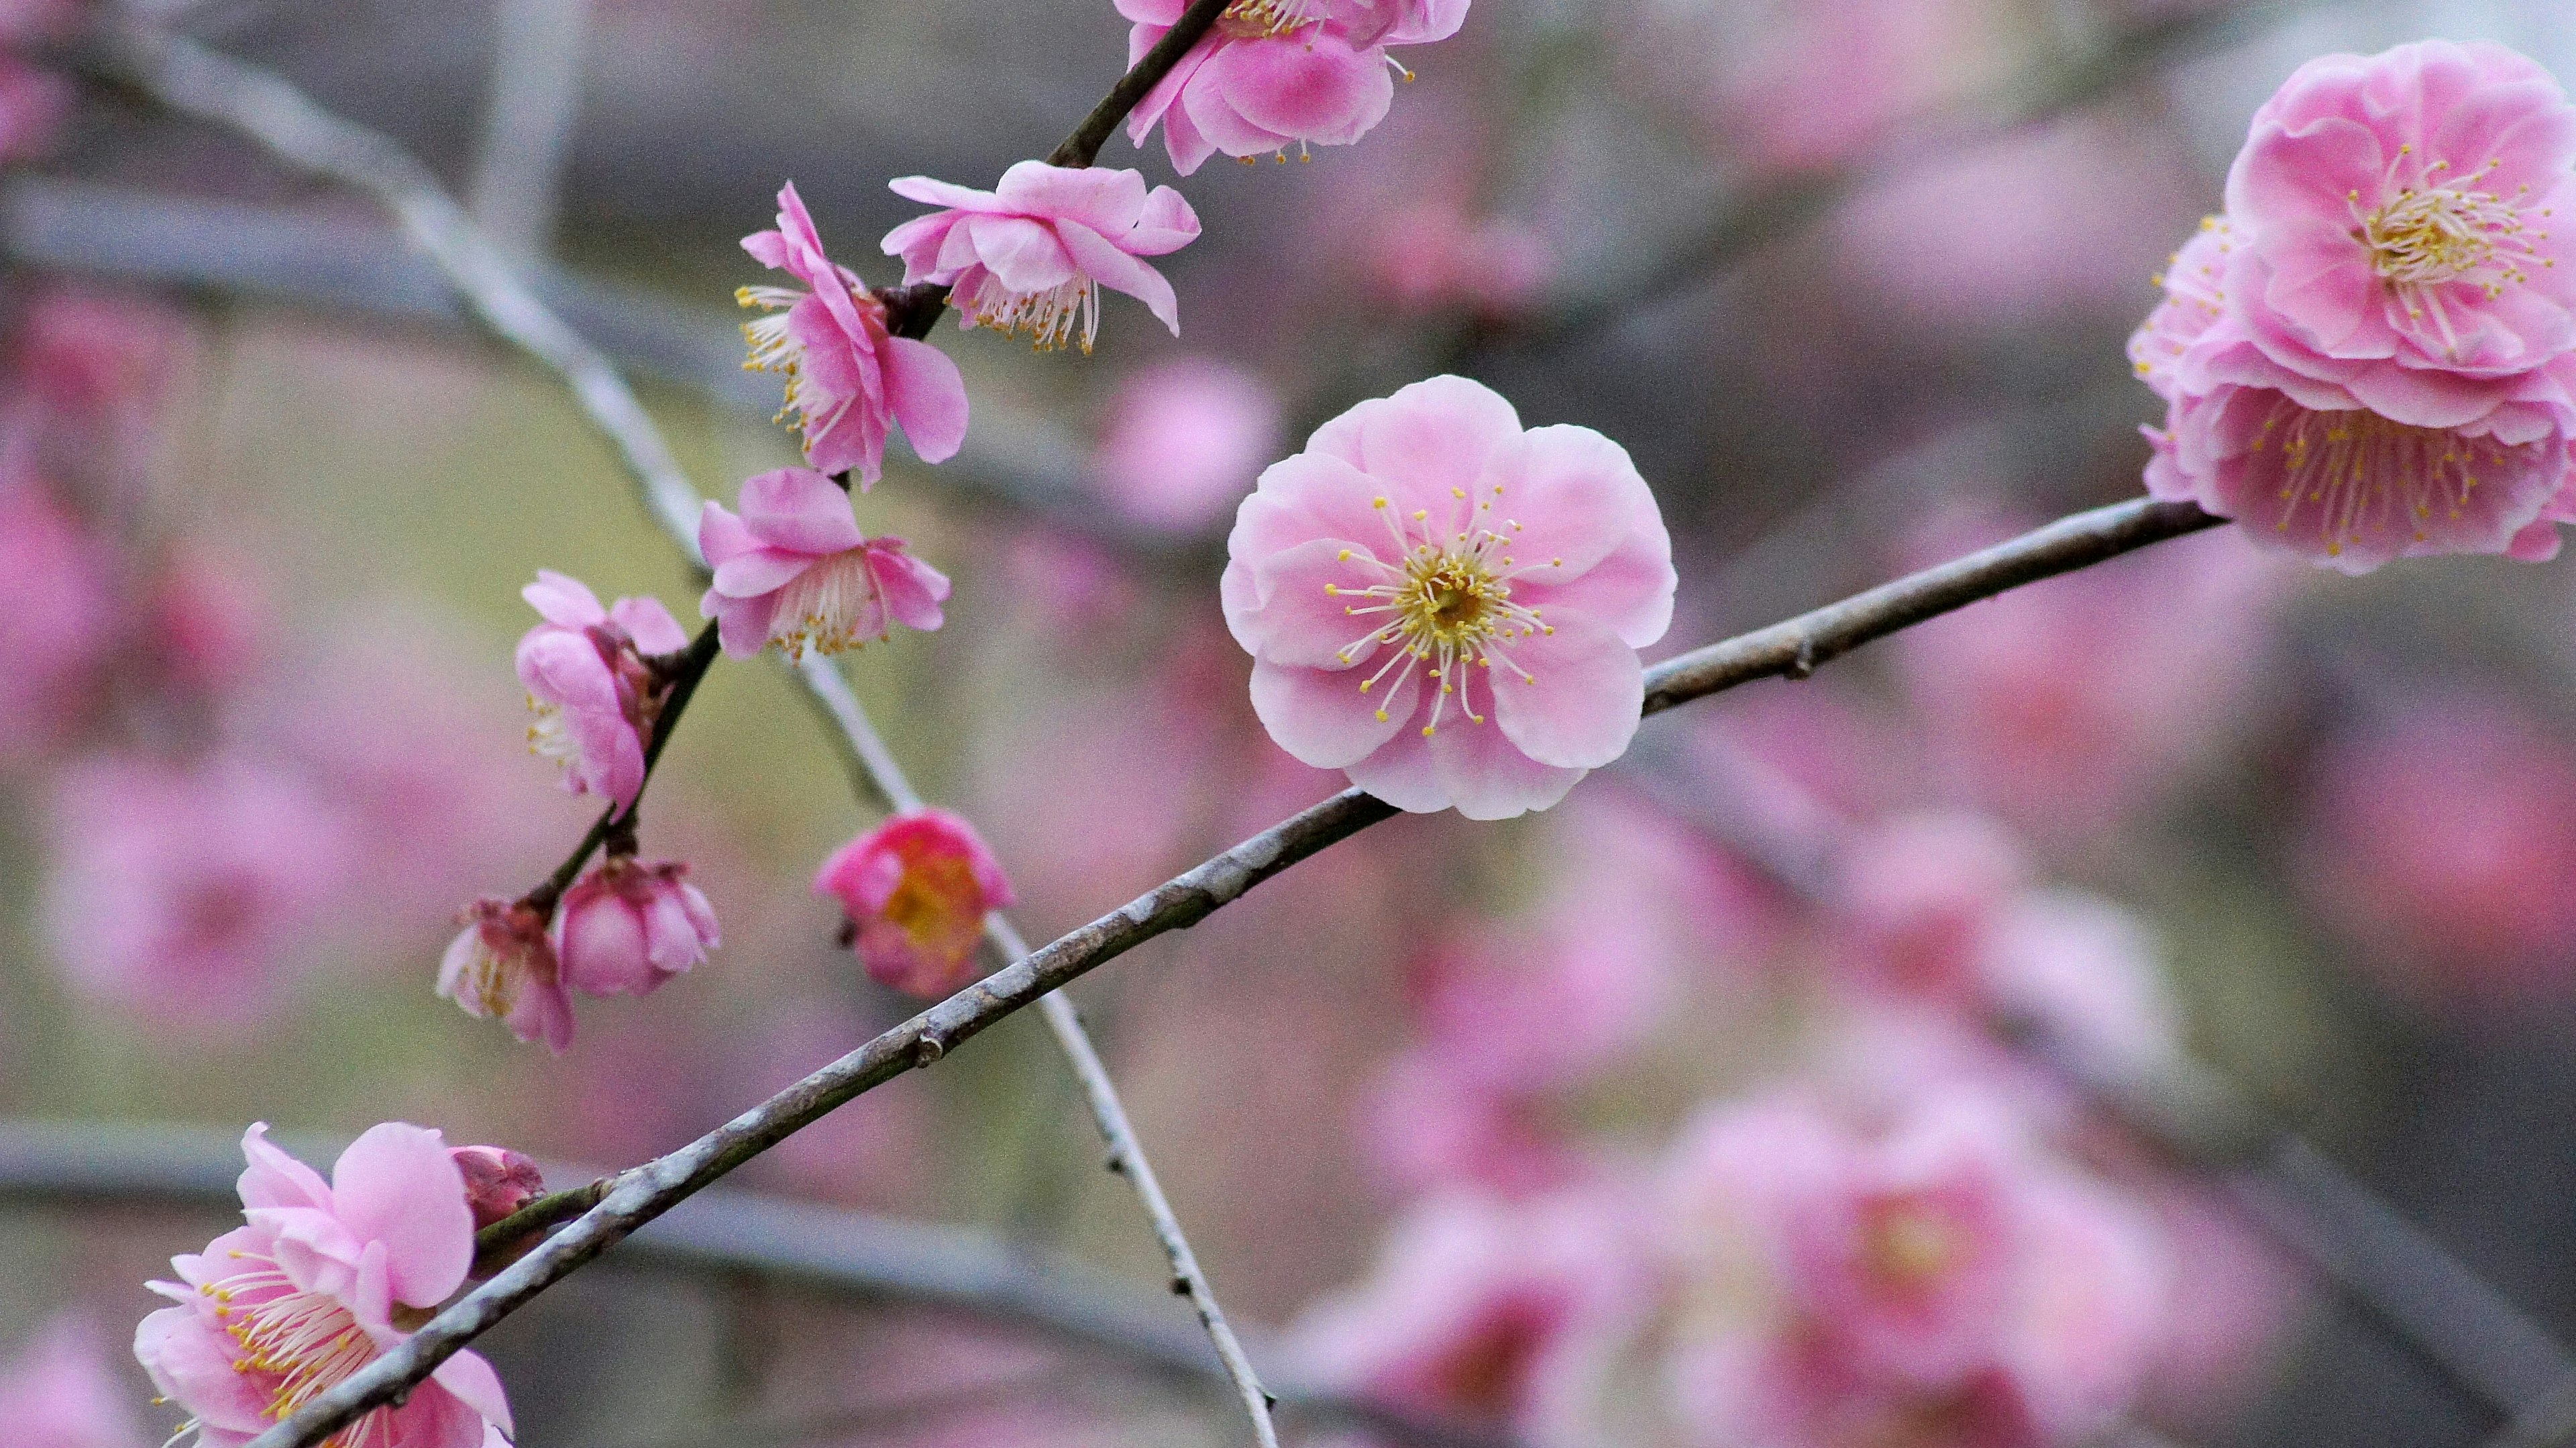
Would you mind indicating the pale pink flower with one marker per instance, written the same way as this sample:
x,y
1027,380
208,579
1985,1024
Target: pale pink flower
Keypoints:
x,y
1278,73
626,927
794,570
502,965
2194,284
849,380
1432,256
1426,561
275,1312
498,1181
2085,972
1437,1118
1804,83
58,1393
917,889
185,892
1029,257
594,695
1185,440
1921,897
58,618
2396,209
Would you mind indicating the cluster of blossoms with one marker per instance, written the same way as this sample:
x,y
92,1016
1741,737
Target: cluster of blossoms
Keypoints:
x,y
2368,356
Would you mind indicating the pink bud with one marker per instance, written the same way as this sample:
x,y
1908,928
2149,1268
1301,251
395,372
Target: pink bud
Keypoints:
x,y
626,927
498,1181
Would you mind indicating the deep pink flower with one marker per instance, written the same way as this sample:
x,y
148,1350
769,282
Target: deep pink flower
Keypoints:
x,y
1425,562
185,892
595,699
1278,73
849,380
1030,256
917,889
2395,209
1185,440
277,1311
58,618
58,1393
503,965
498,1181
626,927
794,570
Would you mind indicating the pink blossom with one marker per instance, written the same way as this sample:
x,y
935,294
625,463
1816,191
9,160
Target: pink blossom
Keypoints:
x,y
33,105
1432,256
594,695
1029,257
277,1311
503,965
2394,209
1750,69
917,889
58,1393
1278,73
498,1181
184,892
205,618
794,570
1377,580
57,618
626,927
2084,972
2194,284
849,380
1921,896
1185,440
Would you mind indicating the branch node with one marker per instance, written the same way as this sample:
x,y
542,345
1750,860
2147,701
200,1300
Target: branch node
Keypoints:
x,y
1802,664
927,1049
1180,1285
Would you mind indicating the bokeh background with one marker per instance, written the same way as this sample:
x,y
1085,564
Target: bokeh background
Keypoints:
x,y
1850,279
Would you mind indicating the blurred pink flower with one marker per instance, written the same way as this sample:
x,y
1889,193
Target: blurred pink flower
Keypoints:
x,y
1029,257
204,618
917,889
2238,1297
849,380
1921,896
1338,562
58,1393
1432,257
184,892
2085,973
282,1309
2442,840
1278,73
498,1181
502,966
626,927
96,367
2394,210
1437,1119
58,618
1804,83
1184,441
33,105
594,695
794,570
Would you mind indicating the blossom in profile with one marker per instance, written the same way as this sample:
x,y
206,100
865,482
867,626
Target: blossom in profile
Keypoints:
x,y
626,927
917,889
1448,607
590,685
1278,73
314,1286
1030,256
502,965
498,1181
1185,439
793,569
57,1392
849,380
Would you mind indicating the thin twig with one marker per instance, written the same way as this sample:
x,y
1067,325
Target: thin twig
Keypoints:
x,y
644,1192
1083,146
527,122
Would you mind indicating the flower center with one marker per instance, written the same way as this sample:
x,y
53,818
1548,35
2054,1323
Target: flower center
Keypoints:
x,y
1447,603
830,608
549,734
306,1342
2361,471
1910,1246
1049,319
1248,18
2447,229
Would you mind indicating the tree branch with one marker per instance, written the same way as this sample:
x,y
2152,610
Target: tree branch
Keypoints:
x,y
1083,146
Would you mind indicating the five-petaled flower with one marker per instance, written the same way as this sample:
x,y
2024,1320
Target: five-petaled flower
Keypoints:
x,y
793,569
849,380
317,1284
1447,606
594,693
1030,256
917,889
626,927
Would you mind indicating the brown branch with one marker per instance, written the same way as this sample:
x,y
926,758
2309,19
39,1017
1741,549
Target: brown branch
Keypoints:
x,y
1789,649
686,670
1083,146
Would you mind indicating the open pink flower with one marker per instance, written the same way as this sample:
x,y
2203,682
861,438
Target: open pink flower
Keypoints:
x,y
1427,563
2194,283
277,1311
503,965
849,380
1278,73
626,927
595,699
2395,209
794,570
58,1393
917,889
1030,256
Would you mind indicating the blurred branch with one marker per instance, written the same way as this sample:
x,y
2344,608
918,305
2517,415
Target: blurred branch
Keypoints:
x,y
99,1164
527,122
1790,649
